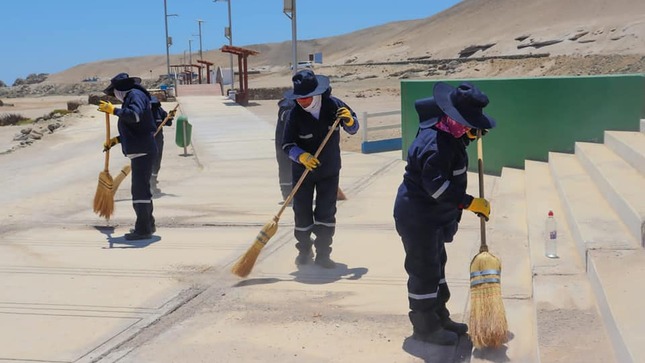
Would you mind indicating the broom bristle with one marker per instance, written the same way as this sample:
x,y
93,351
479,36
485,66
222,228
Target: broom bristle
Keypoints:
x,y
487,324
120,177
103,199
244,265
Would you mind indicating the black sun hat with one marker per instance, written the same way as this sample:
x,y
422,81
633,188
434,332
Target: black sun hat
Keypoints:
x,y
463,104
121,82
307,84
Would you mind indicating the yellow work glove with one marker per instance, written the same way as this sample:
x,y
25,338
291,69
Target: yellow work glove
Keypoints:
x,y
345,116
472,133
108,144
309,161
480,206
106,107
172,114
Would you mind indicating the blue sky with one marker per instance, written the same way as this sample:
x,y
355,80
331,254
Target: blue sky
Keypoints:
x,y
49,36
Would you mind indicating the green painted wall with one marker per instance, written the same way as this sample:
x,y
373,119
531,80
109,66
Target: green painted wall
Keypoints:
x,y
538,115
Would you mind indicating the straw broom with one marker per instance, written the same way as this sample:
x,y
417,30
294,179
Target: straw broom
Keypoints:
x,y
126,168
487,325
104,199
244,265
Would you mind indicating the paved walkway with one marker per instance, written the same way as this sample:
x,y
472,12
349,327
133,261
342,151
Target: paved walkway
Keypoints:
x,y
73,290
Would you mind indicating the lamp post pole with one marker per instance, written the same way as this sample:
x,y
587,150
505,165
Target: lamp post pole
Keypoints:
x,y
199,21
168,39
190,54
230,42
228,33
290,12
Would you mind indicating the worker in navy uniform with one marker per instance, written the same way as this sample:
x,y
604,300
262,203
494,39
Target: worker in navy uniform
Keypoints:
x,y
306,127
159,115
285,106
430,201
136,134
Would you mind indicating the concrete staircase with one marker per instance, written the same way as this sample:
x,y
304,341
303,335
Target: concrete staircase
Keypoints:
x,y
586,305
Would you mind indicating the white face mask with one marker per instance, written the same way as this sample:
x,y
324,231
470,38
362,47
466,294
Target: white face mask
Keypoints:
x,y
120,95
314,107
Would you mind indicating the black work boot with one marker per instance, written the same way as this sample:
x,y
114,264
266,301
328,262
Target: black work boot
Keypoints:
x,y
324,261
448,324
304,257
134,236
427,328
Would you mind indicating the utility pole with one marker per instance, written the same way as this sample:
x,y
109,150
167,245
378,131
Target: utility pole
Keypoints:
x,y
228,33
290,12
199,21
168,39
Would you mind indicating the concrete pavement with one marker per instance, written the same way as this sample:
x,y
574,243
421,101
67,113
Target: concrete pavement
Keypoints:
x,y
73,290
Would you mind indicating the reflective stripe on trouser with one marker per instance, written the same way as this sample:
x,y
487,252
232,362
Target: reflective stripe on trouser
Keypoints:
x,y
141,196
319,220
425,262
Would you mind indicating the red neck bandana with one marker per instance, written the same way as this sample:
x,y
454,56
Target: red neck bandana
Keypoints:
x,y
451,126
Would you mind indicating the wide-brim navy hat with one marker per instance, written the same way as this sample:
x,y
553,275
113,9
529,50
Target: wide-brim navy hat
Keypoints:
x,y
463,104
307,84
428,111
121,82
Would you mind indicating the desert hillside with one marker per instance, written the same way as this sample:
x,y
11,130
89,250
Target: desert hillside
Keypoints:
x,y
523,37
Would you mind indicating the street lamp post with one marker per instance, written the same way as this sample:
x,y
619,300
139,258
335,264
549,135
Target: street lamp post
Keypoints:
x,y
228,33
290,12
199,21
168,39
190,55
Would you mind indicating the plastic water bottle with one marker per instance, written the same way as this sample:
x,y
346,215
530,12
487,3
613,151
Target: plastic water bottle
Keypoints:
x,y
551,231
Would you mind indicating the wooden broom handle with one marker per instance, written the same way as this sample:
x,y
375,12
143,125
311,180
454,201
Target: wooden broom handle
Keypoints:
x,y
302,177
106,168
483,247
161,125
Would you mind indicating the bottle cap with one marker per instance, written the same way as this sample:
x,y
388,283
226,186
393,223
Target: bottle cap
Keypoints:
x,y
550,213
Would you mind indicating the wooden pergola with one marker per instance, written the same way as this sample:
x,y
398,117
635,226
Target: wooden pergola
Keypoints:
x,y
208,70
242,95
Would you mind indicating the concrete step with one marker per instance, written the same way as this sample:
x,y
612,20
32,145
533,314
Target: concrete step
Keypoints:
x,y
569,325
507,239
629,146
616,279
612,255
619,182
593,223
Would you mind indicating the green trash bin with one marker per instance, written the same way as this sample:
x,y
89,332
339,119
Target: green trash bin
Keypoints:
x,y
183,131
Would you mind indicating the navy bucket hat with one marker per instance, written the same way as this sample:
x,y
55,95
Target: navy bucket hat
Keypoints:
x,y
463,104
307,84
121,82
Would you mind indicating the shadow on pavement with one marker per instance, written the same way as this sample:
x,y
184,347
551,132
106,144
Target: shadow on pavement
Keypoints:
x,y
313,274
259,281
497,355
142,243
431,353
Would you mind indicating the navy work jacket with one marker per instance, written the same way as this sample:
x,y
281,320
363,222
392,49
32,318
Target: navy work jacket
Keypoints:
x,y
136,123
433,190
303,132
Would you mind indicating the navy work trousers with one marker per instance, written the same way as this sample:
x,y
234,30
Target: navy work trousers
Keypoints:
x,y
319,220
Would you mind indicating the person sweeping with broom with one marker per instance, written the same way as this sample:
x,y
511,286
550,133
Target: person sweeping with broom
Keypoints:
x,y
430,200
306,127
136,128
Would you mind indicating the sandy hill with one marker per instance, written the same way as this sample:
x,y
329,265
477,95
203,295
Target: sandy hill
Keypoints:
x,y
569,28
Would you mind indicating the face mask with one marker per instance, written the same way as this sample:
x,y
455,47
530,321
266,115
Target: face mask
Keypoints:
x,y
452,127
120,95
314,106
